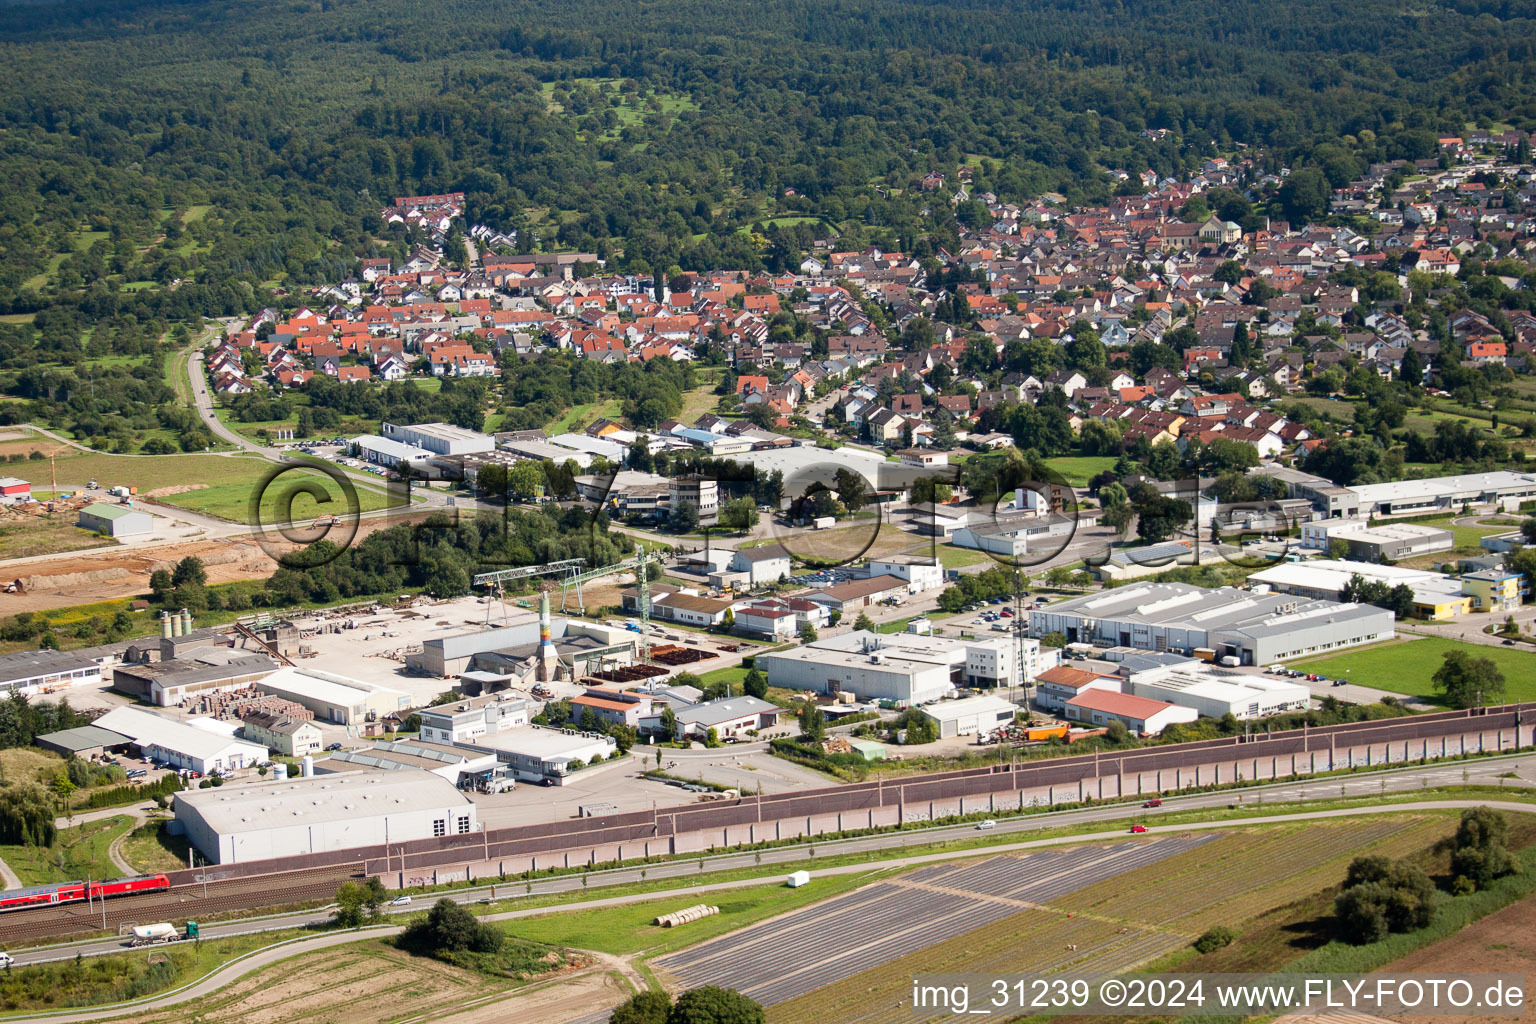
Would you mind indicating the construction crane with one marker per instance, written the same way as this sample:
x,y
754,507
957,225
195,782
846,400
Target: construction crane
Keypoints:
x,y
637,565
499,578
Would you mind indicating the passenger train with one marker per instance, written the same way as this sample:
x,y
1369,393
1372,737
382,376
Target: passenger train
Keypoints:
x,y
80,892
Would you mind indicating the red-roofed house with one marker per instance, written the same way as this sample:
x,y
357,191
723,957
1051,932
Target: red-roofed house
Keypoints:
x,y
747,385
1140,714
611,711
1484,353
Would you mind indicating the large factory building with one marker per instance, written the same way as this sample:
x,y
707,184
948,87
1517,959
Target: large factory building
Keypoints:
x,y
232,824
1256,629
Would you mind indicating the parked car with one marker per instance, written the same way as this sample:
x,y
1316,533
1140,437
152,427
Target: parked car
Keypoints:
x,y
1138,828
334,746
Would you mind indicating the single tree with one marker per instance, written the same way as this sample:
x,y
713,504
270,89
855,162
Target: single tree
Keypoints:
x,y
685,517
714,1005
643,1008
1465,680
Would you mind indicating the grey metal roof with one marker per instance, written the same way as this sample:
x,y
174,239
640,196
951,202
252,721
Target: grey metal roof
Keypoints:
x,y
724,710
26,664
84,738
766,553
1199,608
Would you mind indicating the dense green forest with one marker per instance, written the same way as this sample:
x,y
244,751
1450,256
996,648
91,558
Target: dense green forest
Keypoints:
x,y
163,160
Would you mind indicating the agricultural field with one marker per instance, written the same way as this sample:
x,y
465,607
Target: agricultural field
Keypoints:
x,y
365,981
232,500
858,942
1124,917
1407,665
1218,884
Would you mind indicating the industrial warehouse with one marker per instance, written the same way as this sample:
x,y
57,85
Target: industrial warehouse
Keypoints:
x,y
180,743
1253,628
321,813
907,668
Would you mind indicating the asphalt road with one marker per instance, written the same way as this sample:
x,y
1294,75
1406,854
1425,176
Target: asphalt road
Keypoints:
x,y
1482,771
265,957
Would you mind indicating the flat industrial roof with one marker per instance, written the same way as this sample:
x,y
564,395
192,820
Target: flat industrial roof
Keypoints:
x,y
538,742
950,710
1183,605
26,664
914,646
392,448
1199,679
330,689
857,659
445,431
727,710
462,645
1444,486
1329,573
320,799
102,510
84,737
145,729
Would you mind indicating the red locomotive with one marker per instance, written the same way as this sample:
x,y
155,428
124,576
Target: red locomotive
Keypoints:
x,y
79,892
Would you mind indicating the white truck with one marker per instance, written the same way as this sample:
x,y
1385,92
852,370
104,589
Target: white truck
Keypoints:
x,y
150,934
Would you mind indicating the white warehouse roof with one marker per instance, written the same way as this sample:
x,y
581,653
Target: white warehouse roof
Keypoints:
x,y
391,448
1443,486
146,729
953,710
322,686
320,799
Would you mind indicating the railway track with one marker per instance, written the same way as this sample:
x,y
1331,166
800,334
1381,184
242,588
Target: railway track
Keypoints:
x,y
179,903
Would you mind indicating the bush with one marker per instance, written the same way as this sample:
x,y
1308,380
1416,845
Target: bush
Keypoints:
x,y
643,1008
714,1005
450,928
1215,938
1478,853
1381,897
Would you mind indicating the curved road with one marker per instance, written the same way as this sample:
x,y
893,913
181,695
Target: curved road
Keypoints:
x,y
1483,771
260,959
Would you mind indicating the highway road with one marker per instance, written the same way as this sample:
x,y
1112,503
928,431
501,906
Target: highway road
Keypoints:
x,y
262,958
1484,771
